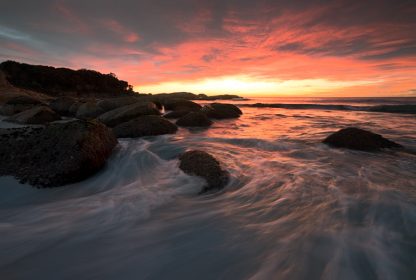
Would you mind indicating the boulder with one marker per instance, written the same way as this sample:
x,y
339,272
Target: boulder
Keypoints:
x,y
222,111
19,104
36,115
176,104
127,113
89,110
114,103
176,114
56,154
74,108
62,105
23,99
194,119
204,165
145,126
359,139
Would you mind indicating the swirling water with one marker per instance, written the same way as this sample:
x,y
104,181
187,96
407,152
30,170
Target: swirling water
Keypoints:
x,y
294,208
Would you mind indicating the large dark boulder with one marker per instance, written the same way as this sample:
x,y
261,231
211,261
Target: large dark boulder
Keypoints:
x,y
145,126
62,105
36,115
57,154
176,104
194,119
359,139
127,113
222,111
204,165
89,110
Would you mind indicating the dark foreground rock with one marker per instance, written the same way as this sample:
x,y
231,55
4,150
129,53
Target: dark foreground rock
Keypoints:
x,y
194,119
204,165
57,154
145,126
127,113
37,115
222,111
359,139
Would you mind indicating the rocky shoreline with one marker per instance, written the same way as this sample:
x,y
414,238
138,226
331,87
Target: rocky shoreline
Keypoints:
x,y
68,138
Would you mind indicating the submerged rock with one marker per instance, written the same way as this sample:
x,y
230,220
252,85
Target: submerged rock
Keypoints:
x,y
204,165
222,111
89,110
145,126
359,139
194,119
127,113
37,115
62,105
57,154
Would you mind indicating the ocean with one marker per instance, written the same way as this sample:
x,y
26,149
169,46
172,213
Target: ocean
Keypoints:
x,y
293,209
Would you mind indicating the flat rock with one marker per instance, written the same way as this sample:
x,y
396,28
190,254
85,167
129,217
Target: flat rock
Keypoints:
x,y
145,126
359,139
56,154
36,115
222,111
202,164
194,119
127,113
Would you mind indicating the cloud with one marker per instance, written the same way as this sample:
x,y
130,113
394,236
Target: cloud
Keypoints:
x,y
149,41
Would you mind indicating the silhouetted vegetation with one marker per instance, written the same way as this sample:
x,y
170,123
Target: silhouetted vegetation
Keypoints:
x,y
63,81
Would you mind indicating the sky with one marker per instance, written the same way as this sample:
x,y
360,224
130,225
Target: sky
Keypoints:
x,y
245,47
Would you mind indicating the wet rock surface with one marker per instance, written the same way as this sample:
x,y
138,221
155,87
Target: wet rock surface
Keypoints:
x,y
194,119
222,111
359,139
202,164
127,113
56,154
145,126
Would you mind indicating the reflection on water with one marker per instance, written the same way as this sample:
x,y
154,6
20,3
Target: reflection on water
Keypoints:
x,y
294,209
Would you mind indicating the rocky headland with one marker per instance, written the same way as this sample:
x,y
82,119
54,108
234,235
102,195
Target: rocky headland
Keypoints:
x,y
69,122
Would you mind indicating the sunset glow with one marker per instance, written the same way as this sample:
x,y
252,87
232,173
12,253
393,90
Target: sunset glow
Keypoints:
x,y
246,86
241,47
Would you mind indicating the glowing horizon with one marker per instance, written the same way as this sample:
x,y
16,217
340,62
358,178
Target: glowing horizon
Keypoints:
x,y
246,86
